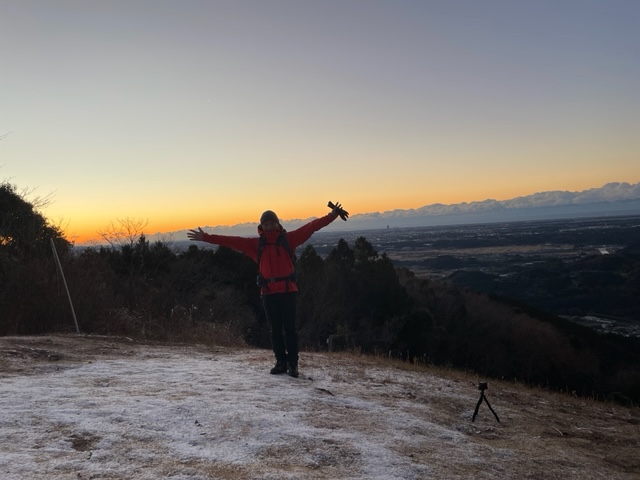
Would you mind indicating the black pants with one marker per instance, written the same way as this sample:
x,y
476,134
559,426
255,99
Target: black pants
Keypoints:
x,y
280,309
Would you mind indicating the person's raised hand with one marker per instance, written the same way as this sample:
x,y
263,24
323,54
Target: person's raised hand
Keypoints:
x,y
196,235
338,211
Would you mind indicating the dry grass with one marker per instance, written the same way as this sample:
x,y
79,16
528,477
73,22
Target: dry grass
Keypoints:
x,y
541,434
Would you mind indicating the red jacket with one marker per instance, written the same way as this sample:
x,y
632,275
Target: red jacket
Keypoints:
x,y
275,260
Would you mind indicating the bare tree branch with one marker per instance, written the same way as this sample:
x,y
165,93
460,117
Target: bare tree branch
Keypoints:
x,y
123,232
38,202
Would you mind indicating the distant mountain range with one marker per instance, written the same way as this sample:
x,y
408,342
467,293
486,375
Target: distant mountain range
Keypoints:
x,y
611,199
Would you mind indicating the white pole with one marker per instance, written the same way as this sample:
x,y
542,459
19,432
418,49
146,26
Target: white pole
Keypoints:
x,y
55,254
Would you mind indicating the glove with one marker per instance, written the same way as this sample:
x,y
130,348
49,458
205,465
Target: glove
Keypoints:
x,y
338,211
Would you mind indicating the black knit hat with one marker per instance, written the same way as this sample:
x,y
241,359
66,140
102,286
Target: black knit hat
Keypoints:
x,y
269,215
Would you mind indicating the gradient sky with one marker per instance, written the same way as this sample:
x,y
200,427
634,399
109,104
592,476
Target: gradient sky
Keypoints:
x,y
191,113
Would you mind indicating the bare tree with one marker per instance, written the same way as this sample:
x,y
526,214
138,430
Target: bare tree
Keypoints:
x,y
38,202
124,232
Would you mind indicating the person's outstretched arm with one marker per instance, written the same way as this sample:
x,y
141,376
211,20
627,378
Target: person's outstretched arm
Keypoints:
x,y
300,235
248,246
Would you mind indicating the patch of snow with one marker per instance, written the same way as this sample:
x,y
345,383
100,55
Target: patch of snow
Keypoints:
x,y
192,414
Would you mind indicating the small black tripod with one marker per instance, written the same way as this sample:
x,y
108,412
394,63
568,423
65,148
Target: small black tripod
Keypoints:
x,y
482,387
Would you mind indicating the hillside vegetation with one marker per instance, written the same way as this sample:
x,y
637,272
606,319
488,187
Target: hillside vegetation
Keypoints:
x,y
354,298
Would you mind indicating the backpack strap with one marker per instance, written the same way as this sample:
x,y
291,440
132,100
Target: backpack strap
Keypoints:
x,y
284,243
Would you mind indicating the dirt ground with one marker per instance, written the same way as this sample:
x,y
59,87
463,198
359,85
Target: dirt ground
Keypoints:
x,y
355,417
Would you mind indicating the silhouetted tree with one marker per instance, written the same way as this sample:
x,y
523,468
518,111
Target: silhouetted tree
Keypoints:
x,y
123,232
364,251
342,255
310,264
28,276
24,231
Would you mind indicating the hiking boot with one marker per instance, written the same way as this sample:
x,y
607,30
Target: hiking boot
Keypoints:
x,y
292,370
281,367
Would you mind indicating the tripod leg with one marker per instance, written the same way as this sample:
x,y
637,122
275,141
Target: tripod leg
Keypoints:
x,y
494,413
477,407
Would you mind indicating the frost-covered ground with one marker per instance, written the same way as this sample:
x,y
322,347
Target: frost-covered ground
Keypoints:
x,y
77,407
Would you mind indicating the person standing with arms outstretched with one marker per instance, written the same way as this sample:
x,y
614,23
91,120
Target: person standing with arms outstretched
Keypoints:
x,y
273,250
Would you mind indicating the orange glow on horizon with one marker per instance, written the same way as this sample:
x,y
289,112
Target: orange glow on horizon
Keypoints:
x,y
86,226
89,233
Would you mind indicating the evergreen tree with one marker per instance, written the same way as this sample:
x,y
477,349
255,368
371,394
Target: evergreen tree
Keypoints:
x,y
27,270
23,230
